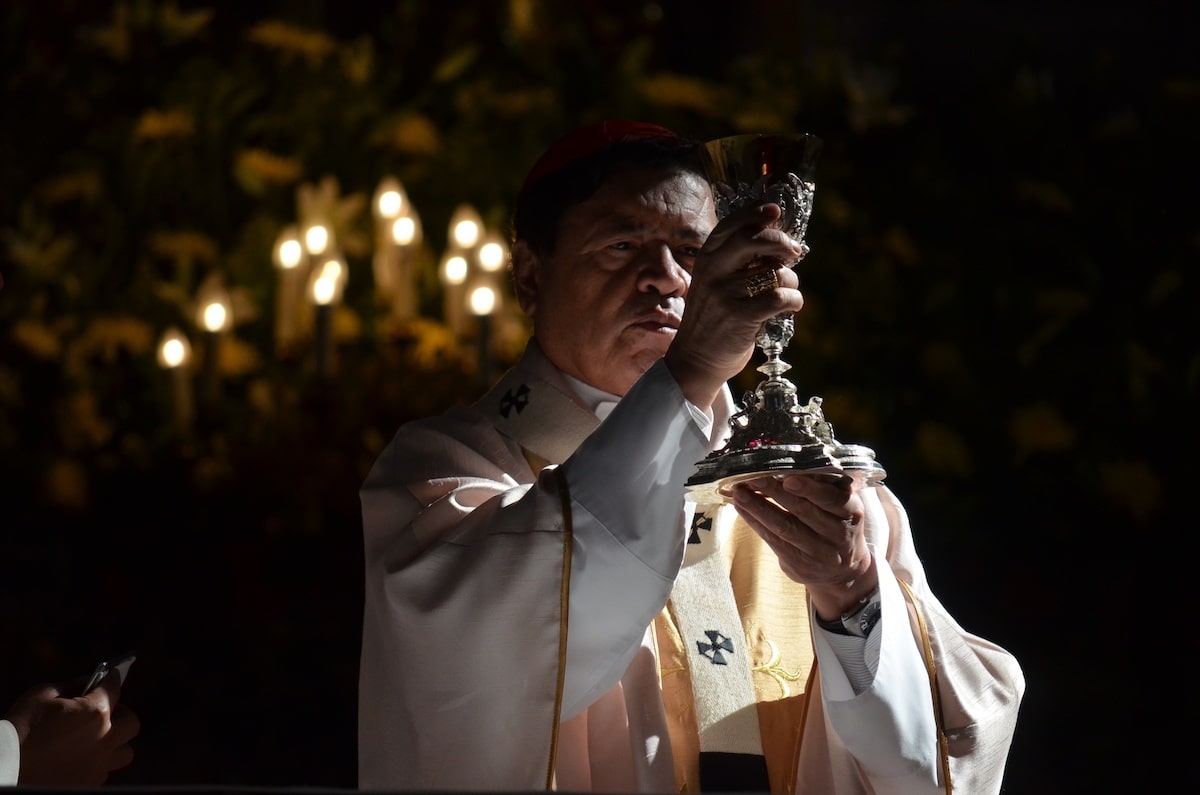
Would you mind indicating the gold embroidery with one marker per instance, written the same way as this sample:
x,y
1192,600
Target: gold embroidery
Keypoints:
x,y
776,671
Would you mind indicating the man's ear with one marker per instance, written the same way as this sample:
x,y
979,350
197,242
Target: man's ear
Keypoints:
x,y
526,267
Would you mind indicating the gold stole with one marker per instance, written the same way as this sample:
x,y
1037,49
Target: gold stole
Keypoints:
x,y
774,614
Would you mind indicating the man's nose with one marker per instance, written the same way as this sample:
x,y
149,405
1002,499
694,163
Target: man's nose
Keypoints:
x,y
662,273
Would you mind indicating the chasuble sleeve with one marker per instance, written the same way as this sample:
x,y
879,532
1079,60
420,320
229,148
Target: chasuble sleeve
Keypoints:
x,y
627,487
979,685
463,604
461,614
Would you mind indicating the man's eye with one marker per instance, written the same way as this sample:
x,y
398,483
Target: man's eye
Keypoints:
x,y
623,245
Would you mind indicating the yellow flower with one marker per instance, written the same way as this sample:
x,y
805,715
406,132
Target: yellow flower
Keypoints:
x,y
257,169
523,18
80,423
678,91
157,125
416,135
269,167
40,253
292,41
37,338
358,61
184,245
1040,428
435,343
116,38
83,185
178,25
106,337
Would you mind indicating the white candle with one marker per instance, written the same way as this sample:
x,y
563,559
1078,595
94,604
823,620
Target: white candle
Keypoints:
x,y
405,238
325,289
291,260
174,354
453,270
214,319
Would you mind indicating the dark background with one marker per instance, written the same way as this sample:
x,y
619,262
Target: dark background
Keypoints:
x,y
999,300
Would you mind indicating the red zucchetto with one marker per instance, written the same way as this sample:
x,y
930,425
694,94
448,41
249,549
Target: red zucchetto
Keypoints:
x,y
588,140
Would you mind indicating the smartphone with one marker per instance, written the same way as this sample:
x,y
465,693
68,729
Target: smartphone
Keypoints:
x,y
119,664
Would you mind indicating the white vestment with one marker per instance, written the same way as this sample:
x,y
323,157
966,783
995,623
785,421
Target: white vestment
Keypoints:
x,y
10,754
483,668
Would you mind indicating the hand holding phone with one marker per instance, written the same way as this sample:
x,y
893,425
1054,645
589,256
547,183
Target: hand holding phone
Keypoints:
x,y
60,745
119,664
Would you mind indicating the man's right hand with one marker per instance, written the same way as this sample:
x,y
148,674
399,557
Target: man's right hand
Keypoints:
x,y
721,320
73,742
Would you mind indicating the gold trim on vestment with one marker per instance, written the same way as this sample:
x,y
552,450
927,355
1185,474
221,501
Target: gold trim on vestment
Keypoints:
x,y
931,668
564,601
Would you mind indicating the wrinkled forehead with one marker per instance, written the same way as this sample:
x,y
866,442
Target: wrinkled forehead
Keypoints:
x,y
663,187
674,202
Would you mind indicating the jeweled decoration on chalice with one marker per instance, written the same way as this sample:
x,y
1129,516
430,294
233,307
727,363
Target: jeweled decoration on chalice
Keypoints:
x,y
773,432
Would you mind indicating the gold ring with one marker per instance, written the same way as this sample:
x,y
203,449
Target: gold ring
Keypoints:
x,y
761,282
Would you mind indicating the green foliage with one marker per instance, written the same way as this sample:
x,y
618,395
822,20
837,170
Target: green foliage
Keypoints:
x,y
971,262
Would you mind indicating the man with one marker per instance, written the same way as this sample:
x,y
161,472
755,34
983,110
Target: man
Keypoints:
x,y
48,739
545,609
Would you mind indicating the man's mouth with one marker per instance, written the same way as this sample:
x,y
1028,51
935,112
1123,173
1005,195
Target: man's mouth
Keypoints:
x,y
659,321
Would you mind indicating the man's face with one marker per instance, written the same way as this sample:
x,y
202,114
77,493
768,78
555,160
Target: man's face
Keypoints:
x,y
607,303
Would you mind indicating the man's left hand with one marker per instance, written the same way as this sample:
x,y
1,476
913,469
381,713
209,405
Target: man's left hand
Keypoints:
x,y
816,525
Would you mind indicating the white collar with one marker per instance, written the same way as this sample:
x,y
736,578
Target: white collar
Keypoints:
x,y
599,401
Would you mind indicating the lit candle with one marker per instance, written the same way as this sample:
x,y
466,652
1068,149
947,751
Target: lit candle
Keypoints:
x,y
175,354
490,258
214,318
316,239
389,198
397,236
463,233
386,206
291,260
483,303
466,227
453,271
406,240
325,289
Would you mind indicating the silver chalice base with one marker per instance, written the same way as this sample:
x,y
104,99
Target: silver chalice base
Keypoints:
x,y
750,454
772,433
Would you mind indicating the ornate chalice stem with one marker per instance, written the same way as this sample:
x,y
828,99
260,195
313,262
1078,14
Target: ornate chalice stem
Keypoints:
x,y
775,335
